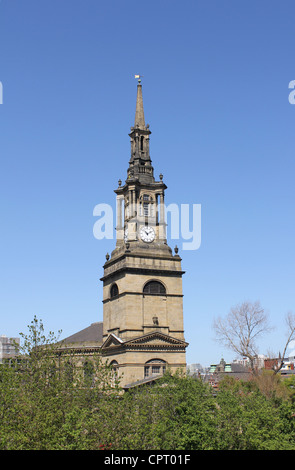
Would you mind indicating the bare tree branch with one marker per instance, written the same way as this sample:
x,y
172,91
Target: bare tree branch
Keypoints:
x,y
243,325
290,322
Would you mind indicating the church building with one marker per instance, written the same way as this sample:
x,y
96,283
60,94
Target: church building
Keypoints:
x,y
142,334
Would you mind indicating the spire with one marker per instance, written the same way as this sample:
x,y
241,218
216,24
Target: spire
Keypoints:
x,y
139,113
140,164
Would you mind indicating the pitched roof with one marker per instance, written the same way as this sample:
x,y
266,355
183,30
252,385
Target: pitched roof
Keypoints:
x,y
92,333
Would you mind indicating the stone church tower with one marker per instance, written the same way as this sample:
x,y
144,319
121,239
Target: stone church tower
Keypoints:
x,y
142,283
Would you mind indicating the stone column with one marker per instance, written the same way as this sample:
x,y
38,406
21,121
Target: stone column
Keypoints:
x,y
162,222
119,227
157,209
133,202
162,209
119,212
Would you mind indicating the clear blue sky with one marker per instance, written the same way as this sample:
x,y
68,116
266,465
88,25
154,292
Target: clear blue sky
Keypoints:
x,y
215,91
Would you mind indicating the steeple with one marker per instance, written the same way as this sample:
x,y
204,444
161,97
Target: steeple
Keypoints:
x,y
140,201
140,164
142,282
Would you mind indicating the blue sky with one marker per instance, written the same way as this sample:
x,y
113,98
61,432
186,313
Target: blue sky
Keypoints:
x,y
215,92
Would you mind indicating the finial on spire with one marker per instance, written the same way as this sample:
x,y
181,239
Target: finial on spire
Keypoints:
x,y
138,77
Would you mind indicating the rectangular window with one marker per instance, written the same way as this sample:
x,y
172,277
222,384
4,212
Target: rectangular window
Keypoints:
x,y
146,208
155,370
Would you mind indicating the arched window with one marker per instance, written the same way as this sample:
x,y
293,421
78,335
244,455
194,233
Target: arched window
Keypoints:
x,y
115,372
114,364
114,290
154,367
154,287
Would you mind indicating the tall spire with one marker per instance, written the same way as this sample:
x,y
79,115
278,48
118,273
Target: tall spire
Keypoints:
x,y
139,113
140,164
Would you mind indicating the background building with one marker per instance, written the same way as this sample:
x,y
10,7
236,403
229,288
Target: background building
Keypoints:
x,y
8,347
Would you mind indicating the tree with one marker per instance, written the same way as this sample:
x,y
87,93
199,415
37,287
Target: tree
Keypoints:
x,y
174,413
241,329
49,405
272,385
182,413
249,420
290,323
47,402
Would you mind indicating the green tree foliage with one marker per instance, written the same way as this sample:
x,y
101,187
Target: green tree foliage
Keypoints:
x,y
248,420
49,402
174,413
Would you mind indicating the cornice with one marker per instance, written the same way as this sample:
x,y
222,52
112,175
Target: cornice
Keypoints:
x,y
149,271
129,254
78,350
142,343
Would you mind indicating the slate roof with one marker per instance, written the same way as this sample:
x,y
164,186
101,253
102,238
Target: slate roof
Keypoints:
x,y
92,333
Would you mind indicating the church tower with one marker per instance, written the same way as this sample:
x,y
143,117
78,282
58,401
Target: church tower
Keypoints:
x,y
142,284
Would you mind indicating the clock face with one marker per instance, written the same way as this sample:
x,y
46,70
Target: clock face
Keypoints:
x,y
147,234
